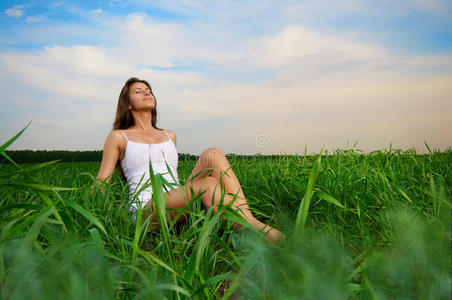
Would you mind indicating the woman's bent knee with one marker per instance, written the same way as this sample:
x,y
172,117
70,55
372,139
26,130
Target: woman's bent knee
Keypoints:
x,y
212,150
211,156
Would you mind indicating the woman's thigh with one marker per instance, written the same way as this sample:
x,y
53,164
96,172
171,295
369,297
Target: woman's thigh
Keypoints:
x,y
178,198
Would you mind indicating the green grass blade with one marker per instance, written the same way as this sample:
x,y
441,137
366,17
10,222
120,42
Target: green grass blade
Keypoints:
x,y
158,199
8,143
172,287
37,186
227,249
304,205
154,259
7,229
404,195
9,208
328,198
213,280
32,168
201,245
33,232
95,236
86,214
50,204
137,234
249,264
10,159
428,148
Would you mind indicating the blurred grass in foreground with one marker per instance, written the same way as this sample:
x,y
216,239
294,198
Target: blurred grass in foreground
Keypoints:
x,y
377,227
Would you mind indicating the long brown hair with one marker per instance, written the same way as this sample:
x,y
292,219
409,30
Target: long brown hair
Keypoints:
x,y
124,118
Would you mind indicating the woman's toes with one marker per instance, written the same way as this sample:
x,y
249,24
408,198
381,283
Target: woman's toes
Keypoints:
x,y
274,235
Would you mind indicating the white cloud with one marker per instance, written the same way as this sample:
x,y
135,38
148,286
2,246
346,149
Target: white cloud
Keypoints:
x,y
97,11
36,19
15,11
147,43
294,43
69,72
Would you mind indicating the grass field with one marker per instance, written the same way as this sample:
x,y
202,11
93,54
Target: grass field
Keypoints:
x,y
373,226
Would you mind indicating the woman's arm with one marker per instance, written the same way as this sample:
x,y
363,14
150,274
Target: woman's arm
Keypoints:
x,y
110,156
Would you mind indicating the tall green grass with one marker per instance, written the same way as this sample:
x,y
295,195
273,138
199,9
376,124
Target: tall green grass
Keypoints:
x,y
372,226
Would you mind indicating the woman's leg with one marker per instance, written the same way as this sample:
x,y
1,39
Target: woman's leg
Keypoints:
x,y
177,199
214,158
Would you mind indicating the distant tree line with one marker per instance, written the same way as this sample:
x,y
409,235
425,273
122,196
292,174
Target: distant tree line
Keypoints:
x,y
38,156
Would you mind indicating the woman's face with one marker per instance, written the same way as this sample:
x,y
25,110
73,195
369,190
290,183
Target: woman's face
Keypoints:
x,y
140,97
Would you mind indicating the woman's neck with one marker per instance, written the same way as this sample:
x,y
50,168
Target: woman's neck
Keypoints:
x,y
142,120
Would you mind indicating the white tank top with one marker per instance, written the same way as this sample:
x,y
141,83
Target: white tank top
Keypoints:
x,y
135,166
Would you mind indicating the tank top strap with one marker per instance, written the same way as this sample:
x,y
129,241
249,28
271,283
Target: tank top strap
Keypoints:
x,y
124,135
167,134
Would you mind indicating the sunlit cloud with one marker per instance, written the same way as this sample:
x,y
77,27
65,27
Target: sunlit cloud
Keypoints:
x,y
15,12
36,19
97,11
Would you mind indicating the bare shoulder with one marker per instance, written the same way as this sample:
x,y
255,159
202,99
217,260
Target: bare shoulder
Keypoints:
x,y
172,135
115,137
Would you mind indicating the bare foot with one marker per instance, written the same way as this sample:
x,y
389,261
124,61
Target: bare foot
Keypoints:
x,y
272,234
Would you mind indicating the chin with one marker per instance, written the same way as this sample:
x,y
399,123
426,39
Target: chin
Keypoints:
x,y
149,106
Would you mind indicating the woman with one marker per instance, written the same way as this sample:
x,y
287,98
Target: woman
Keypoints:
x,y
135,140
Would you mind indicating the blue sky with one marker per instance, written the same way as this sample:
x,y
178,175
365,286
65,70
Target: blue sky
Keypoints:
x,y
231,73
